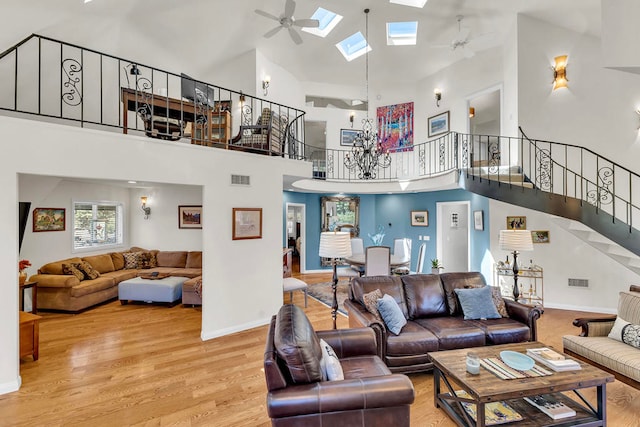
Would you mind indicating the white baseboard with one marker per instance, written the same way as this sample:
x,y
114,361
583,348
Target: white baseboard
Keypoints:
x,y
580,308
209,335
11,386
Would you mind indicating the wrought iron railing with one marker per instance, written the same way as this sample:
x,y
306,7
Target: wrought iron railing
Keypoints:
x,y
75,85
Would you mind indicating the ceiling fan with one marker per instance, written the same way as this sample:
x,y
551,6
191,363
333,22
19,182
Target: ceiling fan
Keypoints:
x,y
286,20
462,39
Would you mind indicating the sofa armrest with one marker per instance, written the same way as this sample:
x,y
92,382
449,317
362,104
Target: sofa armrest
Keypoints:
x,y
330,396
595,326
351,342
55,280
524,314
359,317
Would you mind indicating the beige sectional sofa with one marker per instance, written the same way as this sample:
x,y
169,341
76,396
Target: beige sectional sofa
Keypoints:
x,y
66,292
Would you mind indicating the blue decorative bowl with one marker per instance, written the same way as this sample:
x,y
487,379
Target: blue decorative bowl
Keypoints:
x,y
516,360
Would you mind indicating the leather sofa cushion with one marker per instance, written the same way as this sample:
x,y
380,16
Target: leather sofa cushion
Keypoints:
x,y
363,367
297,345
102,263
389,285
56,266
414,339
425,296
118,260
194,259
454,332
503,330
172,258
466,280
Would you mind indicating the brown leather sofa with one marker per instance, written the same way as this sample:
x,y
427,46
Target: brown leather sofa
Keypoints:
x,y
434,318
369,395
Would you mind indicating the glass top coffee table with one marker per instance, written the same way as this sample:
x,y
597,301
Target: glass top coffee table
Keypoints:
x,y
450,370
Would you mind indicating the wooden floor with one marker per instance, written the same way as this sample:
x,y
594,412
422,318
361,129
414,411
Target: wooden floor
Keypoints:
x,y
145,365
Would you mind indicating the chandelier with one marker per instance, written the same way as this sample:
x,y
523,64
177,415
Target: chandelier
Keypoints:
x,y
367,154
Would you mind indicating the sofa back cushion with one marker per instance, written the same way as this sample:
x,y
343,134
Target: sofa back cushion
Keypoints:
x,y
629,307
118,260
390,285
56,266
101,263
297,345
175,259
465,280
425,296
194,259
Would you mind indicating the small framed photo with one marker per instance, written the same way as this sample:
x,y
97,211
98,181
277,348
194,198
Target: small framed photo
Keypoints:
x,y
190,216
478,220
516,223
420,218
540,236
438,124
49,219
348,136
247,223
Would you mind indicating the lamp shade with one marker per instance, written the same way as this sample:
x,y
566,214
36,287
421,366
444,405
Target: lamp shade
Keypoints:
x,y
516,240
335,244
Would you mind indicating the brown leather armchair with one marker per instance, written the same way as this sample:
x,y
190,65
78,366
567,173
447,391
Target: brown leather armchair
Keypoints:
x,y
369,395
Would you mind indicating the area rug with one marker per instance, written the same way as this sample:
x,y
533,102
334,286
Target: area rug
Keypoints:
x,y
322,292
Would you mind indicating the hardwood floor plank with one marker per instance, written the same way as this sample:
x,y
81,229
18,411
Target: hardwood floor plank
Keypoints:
x,y
145,365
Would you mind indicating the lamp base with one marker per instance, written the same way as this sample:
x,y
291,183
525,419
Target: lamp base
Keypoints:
x,y
516,291
334,289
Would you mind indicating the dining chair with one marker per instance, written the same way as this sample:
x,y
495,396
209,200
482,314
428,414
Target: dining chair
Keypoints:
x,y
402,250
377,261
357,247
421,253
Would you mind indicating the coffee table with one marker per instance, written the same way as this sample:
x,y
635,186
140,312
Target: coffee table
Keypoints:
x,y
450,370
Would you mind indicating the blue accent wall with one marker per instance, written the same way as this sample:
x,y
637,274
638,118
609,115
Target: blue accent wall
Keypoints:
x,y
393,211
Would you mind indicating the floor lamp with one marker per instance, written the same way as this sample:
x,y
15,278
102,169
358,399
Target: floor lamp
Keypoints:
x,y
335,244
516,240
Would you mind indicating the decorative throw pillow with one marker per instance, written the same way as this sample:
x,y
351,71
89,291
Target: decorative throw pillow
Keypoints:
x,y
618,326
371,303
144,260
631,335
391,314
331,368
130,260
71,269
477,303
88,270
496,295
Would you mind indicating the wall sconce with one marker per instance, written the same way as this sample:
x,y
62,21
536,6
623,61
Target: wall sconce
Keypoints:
x,y
472,112
438,94
638,113
352,117
145,208
265,85
560,72
133,70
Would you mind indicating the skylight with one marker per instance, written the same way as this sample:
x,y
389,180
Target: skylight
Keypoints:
x,y
402,33
353,46
327,19
414,3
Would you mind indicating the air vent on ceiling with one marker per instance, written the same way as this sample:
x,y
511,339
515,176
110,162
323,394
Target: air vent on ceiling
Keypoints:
x,y
579,283
240,180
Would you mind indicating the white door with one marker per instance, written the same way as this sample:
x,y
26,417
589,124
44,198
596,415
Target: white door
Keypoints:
x,y
453,234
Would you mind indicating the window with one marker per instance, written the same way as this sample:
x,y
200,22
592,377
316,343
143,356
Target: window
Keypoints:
x,y
353,46
327,21
402,33
97,225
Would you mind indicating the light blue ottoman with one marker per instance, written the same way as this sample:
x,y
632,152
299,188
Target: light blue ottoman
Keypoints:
x,y
168,290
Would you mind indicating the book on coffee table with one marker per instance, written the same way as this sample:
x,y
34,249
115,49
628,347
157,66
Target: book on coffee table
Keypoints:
x,y
552,359
551,406
494,413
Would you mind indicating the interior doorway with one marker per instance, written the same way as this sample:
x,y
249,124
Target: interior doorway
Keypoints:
x,y
485,124
453,234
315,134
295,235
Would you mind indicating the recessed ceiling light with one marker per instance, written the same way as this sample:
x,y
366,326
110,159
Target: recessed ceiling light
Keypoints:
x,y
128,182
327,21
413,3
87,1
353,46
402,33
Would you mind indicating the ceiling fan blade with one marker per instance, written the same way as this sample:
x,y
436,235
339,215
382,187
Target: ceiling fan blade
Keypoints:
x,y
307,23
289,8
272,32
295,36
267,15
463,34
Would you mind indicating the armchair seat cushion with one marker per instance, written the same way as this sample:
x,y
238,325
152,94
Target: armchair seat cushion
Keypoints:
x,y
615,355
363,366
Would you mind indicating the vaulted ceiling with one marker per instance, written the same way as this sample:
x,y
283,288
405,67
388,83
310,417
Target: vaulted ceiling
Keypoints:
x,y
195,35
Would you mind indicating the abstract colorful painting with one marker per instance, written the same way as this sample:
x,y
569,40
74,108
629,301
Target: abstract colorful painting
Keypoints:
x,y
395,127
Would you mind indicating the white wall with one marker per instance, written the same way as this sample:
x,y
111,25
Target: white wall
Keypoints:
x,y
235,297
564,257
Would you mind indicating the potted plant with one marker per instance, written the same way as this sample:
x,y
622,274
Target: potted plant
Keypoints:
x,y
436,266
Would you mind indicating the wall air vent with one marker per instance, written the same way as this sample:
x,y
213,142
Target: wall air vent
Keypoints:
x,y
579,283
241,180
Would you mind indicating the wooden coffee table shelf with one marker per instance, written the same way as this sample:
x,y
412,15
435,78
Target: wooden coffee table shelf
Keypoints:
x,y
450,370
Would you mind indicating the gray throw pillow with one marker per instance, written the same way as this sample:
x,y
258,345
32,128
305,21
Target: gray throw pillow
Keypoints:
x,y
391,314
477,303
631,335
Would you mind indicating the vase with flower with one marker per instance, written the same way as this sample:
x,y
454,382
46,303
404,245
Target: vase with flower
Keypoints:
x,y
23,264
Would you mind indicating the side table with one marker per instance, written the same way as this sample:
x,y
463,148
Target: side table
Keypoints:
x,y
29,335
34,295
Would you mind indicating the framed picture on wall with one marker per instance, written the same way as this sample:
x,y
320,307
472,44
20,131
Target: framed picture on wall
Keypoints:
x,y
540,236
516,223
438,124
420,218
190,216
478,220
247,223
49,219
348,136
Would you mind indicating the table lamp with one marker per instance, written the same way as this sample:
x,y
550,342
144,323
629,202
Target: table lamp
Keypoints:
x,y
335,244
516,240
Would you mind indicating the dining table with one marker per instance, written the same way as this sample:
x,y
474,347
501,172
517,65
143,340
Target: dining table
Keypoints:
x,y
395,261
